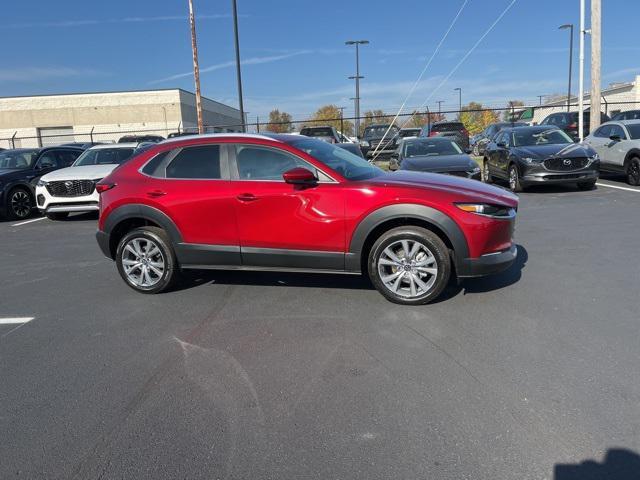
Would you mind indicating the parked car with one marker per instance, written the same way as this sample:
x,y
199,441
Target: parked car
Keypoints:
x,y
379,134
456,130
72,189
568,121
436,155
296,203
351,147
539,155
480,141
20,170
324,133
181,134
628,115
141,138
618,146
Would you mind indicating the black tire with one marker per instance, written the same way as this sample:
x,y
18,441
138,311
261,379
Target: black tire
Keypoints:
x,y
515,184
486,175
151,236
587,185
633,172
57,215
408,290
19,204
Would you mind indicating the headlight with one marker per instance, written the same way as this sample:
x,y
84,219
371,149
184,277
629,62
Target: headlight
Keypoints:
x,y
475,169
41,183
486,209
594,158
364,143
529,160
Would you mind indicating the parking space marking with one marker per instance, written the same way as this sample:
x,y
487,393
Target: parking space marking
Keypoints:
x,y
28,221
14,320
619,188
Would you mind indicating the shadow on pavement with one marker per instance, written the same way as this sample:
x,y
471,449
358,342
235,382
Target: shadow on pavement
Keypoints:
x,y
501,280
618,464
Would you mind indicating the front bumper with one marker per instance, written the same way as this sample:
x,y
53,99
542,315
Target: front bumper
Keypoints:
x,y
488,264
547,177
47,203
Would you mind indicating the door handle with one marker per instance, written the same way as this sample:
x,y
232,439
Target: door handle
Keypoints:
x,y
156,193
247,197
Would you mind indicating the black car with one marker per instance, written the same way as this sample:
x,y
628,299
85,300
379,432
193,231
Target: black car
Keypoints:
x,y
20,170
141,138
628,115
481,140
436,155
568,121
325,133
539,155
380,136
351,147
455,130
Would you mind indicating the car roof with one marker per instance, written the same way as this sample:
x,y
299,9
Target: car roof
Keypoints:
x,y
189,138
66,147
625,122
115,145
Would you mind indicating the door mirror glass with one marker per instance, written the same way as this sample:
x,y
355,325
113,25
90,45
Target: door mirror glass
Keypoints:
x,y
299,176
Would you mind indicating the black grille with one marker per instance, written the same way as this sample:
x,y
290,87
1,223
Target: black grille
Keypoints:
x,y
565,164
71,188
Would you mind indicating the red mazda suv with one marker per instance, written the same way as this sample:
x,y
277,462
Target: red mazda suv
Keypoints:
x,y
294,203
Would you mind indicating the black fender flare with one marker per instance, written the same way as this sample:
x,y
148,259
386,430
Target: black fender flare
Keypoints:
x,y
138,210
405,210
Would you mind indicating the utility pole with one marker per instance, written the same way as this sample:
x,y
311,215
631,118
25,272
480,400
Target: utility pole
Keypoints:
x,y
596,60
459,90
196,67
540,97
357,78
583,32
341,119
440,102
239,75
570,27
258,124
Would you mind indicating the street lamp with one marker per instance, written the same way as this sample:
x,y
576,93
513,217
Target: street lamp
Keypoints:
x,y
459,90
570,27
357,78
239,75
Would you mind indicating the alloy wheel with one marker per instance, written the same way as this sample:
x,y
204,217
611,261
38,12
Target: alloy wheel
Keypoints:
x,y
513,178
21,203
143,262
407,268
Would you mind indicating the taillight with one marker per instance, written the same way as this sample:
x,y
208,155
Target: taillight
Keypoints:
x,y
464,131
432,133
572,125
103,187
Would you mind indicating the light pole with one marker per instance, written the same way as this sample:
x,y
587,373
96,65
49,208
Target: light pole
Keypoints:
x,y
440,102
540,97
239,75
196,67
357,78
459,90
341,119
570,27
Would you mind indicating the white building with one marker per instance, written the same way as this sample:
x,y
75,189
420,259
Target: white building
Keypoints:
x,y
617,97
104,117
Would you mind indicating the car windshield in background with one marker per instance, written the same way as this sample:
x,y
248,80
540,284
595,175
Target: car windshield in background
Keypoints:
x,y
17,158
347,164
317,132
409,133
104,156
428,148
447,127
634,131
378,132
527,138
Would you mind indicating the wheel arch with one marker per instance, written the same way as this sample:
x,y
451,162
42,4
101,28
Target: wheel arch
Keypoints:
x,y
385,218
124,219
634,152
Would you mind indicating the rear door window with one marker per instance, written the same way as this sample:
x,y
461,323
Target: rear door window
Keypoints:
x,y
201,162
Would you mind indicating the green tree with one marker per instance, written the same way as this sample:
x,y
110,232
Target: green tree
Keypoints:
x,y
371,117
330,115
475,117
419,120
279,122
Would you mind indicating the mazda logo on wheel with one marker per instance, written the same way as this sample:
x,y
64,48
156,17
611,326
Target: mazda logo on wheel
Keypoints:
x,y
566,162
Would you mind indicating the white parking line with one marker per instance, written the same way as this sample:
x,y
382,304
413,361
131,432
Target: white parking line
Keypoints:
x,y
28,221
619,188
14,320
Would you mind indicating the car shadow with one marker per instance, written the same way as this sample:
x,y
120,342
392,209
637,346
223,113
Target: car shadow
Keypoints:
x,y
618,464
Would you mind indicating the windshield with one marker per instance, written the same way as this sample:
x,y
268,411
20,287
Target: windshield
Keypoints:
x,y
317,132
17,158
428,148
409,133
378,132
103,156
527,138
347,164
634,131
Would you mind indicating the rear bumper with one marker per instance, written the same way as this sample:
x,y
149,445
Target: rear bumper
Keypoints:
x,y
487,264
103,243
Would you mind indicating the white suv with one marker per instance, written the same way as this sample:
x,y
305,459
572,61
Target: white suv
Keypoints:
x,y
618,146
73,189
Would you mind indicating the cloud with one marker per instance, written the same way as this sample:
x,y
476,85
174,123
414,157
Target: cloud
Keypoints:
x,y
82,23
34,74
232,63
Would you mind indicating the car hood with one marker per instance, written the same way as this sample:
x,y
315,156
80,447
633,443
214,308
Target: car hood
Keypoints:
x,y
86,172
482,191
441,163
11,173
540,152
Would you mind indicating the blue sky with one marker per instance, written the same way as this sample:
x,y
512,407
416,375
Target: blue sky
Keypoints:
x,y
294,54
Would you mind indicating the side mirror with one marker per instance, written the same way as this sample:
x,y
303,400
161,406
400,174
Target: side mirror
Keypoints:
x,y
299,176
615,138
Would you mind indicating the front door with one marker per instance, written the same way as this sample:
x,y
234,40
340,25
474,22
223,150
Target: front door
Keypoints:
x,y
285,225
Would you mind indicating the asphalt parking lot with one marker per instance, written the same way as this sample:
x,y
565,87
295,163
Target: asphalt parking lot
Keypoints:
x,y
264,375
